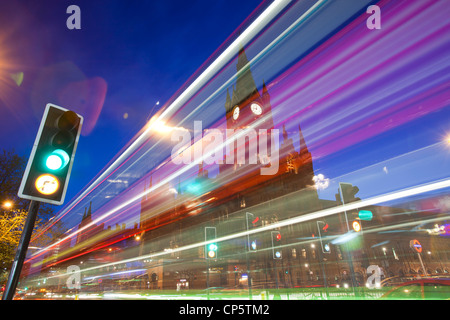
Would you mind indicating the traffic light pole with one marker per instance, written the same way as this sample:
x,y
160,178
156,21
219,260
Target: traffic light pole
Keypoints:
x,y
21,252
348,254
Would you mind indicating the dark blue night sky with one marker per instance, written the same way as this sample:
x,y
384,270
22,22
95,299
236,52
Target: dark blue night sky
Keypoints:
x,y
126,57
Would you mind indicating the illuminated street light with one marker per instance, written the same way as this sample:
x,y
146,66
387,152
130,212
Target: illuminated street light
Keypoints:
x,y
7,204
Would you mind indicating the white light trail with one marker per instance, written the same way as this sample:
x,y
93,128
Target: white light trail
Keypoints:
x,y
303,218
256,26
247,35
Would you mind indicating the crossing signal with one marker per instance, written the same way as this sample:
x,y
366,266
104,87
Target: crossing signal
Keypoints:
x,y
276,243
322,226
48,169
251,222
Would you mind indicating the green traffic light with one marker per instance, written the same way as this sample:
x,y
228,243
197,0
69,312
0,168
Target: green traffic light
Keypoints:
x,y
365,215
212,249
57,160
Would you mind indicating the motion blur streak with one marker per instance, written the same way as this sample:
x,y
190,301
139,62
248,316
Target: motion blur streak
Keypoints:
x,y
308,217
153,124
361,116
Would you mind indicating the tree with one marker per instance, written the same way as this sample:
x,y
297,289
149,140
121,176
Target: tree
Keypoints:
x,y
12,218
11,225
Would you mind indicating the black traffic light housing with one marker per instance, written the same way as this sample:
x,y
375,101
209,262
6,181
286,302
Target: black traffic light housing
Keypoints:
x,y
348,193
48,169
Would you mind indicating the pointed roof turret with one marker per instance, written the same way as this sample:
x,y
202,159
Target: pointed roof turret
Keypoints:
x,y
303,146
242,59
264,90
228,105
245,84
285,135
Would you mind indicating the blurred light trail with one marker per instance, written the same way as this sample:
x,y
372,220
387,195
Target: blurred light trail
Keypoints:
x,y
116,274
157,123
249,33
123,205
368,83
438,185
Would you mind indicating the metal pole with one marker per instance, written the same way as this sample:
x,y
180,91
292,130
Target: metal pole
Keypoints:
x,y
207,278
349,256
423,266
21,252
249,278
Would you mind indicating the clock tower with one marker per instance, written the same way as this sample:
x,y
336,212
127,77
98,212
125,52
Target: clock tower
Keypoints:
x,y
247,106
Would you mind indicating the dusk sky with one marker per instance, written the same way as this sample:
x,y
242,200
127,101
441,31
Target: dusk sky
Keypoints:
x,y
173,186
126,57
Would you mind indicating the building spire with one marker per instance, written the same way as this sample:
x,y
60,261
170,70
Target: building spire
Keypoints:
x,y
303,146
245,84
89,210
228,105
264,90
242,59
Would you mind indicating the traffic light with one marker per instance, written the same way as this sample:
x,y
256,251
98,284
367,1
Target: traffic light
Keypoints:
x,y
48,169
322,226
211,247
357,216
347,193
251,223
276,243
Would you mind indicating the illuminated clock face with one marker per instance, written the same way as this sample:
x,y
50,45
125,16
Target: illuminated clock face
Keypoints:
x,y
236,113
256,108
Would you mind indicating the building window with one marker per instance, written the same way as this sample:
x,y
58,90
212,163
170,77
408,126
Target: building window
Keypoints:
x,y
303,253
294,253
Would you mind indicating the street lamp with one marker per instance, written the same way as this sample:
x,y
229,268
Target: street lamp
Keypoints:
x,y
7,204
